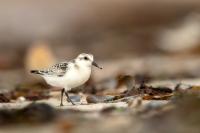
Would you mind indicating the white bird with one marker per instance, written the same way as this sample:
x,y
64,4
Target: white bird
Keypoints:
x,y
68,75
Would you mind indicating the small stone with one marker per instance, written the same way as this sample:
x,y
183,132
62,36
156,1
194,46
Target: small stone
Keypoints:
x,y
21,99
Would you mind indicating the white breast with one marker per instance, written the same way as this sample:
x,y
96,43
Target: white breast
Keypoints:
x,y
77,76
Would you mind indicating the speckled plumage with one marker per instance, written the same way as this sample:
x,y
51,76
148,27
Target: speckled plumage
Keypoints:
x,y
58,69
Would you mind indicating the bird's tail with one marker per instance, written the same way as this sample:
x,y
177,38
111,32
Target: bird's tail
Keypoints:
x,y
35,71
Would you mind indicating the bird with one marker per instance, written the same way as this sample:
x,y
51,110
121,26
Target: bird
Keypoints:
x,y
69,74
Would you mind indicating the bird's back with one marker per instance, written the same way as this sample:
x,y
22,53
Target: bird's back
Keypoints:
x,y
57,70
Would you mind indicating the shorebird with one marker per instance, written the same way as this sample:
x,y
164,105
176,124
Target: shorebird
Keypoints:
x,y
69,74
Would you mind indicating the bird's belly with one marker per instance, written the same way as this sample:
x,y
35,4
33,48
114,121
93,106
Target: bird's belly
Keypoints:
x,y
55,81
75,79
75,83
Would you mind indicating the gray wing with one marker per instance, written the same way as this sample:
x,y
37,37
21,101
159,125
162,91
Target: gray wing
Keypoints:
x,y
58,69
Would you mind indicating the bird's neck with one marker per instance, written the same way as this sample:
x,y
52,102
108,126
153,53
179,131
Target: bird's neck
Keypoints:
x,y
80,66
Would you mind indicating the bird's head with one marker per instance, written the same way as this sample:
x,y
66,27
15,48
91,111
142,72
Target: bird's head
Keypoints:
x,y
87,60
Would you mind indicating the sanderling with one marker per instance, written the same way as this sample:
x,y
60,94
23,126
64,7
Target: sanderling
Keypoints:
x,y
68,75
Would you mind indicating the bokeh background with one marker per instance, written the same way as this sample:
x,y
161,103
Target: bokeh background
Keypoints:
x,y
154,42
129,36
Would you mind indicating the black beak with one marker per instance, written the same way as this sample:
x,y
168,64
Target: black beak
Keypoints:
x,y
96,65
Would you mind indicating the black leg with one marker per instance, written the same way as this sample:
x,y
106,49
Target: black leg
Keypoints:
x,y
68,98
62,92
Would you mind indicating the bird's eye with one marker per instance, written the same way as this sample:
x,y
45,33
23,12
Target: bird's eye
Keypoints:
x,y
85,58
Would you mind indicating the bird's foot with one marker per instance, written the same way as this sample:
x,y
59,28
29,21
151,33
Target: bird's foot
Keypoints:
x,y
73,103
69,100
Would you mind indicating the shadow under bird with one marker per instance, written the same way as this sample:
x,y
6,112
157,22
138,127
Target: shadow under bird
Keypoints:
x,y
68,75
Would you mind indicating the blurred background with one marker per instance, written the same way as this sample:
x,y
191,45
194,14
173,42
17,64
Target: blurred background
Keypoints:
x,y
156,43
130,36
